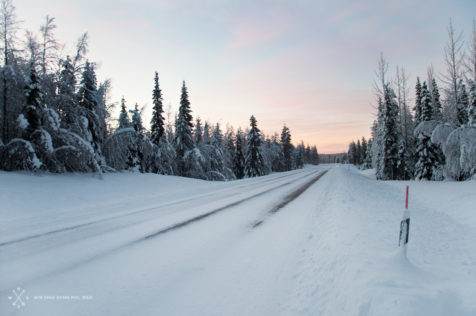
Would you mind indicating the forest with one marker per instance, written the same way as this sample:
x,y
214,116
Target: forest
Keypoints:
x,y
433,135
56,117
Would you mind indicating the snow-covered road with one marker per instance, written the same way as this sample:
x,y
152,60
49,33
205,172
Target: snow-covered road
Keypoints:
x,y
304,242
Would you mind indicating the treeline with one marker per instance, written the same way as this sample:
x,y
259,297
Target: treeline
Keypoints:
x,y
436,138
57,118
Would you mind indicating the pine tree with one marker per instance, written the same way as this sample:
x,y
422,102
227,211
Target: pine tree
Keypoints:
x,y
426,106
418,101
157,122
124,120
239,158
287,148
254,163
435,101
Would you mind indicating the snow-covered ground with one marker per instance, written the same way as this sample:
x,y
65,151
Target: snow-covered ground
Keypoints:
x,y
285,244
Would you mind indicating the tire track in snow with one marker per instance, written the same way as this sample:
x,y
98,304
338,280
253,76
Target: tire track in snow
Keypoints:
x,y
291,197
93,257
111,218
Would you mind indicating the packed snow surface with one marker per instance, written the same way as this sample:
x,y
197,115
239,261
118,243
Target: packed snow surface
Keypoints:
x,y
285,244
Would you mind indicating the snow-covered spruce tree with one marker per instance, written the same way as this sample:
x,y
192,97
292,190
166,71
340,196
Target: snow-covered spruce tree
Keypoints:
x,y
165,160
136,156
129,148
188,160
276,154
368,155
206,133
67,99
136,119
363,151
472,105
358,153
157,121
216,156
239,158
314,155
462,105
197,134
22,153
254,163
352,153
307,154
266,154
185,106
120,149
298,156
404,169
429,158
418,101
92,128
229,152
287,148
83,120
391,137
145,150
435,101
124,121
426,105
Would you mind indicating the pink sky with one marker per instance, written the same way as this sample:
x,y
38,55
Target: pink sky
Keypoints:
x,y
308,64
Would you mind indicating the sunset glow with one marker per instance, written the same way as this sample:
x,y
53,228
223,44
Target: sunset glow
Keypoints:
x,y
309,64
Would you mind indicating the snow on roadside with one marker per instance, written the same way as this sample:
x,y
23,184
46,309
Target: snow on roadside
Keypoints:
x,y
353,266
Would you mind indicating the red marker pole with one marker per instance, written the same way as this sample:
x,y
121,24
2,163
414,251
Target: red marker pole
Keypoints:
x,y
405,226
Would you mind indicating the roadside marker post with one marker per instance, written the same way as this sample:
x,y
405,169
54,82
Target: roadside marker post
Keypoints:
x,y
405,227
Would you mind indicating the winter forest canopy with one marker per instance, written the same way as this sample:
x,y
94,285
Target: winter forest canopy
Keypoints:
x,y
433,135
56,117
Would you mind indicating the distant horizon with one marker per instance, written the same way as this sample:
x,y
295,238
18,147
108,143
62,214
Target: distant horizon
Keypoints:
x,y
309,65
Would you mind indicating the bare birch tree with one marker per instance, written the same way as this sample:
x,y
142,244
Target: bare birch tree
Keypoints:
x,y
454,56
